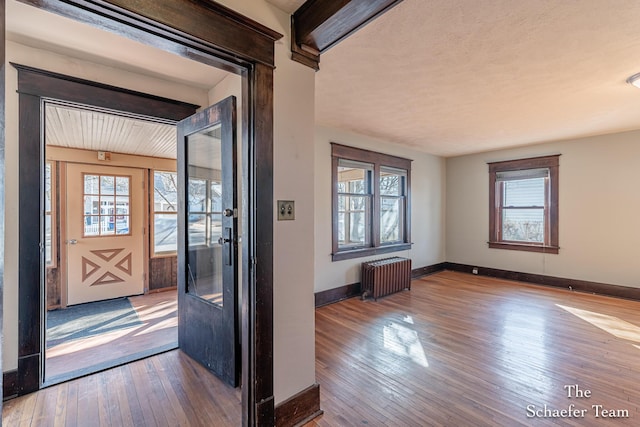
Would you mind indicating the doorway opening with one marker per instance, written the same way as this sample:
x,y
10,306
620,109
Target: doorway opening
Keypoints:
x,y
110,197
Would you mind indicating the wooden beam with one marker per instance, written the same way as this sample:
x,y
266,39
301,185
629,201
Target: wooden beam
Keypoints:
x,y
318,25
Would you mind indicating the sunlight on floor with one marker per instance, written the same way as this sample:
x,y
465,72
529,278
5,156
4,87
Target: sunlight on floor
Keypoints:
x,y
85,343
163,324
611,324
404,342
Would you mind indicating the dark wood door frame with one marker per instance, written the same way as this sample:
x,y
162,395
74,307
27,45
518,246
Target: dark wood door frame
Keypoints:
x,y
215,35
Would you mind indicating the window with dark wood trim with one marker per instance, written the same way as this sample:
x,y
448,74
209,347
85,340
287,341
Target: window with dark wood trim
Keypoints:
x,y
371,202
523,204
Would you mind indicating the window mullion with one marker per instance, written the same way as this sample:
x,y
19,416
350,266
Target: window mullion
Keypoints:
x,y
374,188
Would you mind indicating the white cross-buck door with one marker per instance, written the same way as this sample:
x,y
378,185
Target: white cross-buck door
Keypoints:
x,y
104,232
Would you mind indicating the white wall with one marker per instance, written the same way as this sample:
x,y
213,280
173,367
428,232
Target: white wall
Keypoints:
x,y
427,208
293,306
24,55
599,204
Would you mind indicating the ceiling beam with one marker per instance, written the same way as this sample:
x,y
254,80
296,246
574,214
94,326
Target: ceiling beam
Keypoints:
x,y
318,25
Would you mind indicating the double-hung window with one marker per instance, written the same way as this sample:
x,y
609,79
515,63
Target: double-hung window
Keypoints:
x,y
370,203
524,204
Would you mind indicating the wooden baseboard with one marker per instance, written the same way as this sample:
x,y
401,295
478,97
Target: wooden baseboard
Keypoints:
x,y
558,282
337,294
300,408
9,384
429,269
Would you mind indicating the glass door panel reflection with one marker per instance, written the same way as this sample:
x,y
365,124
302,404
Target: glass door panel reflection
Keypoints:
x,y
204,217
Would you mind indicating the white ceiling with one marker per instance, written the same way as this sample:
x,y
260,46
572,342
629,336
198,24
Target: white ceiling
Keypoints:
x,y
451,77
99,131
447,77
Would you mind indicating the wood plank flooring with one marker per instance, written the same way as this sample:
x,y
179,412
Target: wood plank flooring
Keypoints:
x,y
463,350
169,389
456,350
158,329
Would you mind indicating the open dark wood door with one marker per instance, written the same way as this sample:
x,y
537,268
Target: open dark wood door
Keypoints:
x,y
208,240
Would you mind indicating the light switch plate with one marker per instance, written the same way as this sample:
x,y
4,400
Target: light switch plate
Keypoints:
x,y
286,210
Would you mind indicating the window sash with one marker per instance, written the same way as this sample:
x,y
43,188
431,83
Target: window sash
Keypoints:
x,y
396,219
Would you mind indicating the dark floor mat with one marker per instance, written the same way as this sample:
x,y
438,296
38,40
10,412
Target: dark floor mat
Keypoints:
x,y
85,320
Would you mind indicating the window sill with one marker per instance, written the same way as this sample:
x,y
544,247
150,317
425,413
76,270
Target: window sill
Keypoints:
x,y
363,252
524,247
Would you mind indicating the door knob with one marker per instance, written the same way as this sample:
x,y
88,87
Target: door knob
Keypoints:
x,y
222,241
72,241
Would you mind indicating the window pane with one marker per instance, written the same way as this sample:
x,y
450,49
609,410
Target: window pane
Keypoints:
x,y
122,224
197,230
91,205
353,223
47,238
165,192
47,187
107,184
107,226
91,184
353,180
523,225
391,182
91,225
216,197
122,186
391,215
357,228
215,224
197,195
165,233
524,192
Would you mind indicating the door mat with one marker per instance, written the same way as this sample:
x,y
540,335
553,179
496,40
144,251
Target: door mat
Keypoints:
x,y
89,319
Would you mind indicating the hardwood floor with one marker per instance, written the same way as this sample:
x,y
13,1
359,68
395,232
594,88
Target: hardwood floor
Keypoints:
x,y
157,331
463,350
169,389
456,350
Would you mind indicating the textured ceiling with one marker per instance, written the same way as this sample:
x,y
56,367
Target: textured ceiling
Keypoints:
x,y
452,77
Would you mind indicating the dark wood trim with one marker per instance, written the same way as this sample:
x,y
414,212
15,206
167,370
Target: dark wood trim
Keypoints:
x,y
47,84
524,247
558,282
378,160
496,241
182,25
300,408
426,270
318,25
368,156
337,294
254,60
359,253
29,230
33,86
258,328
9,384
2,171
